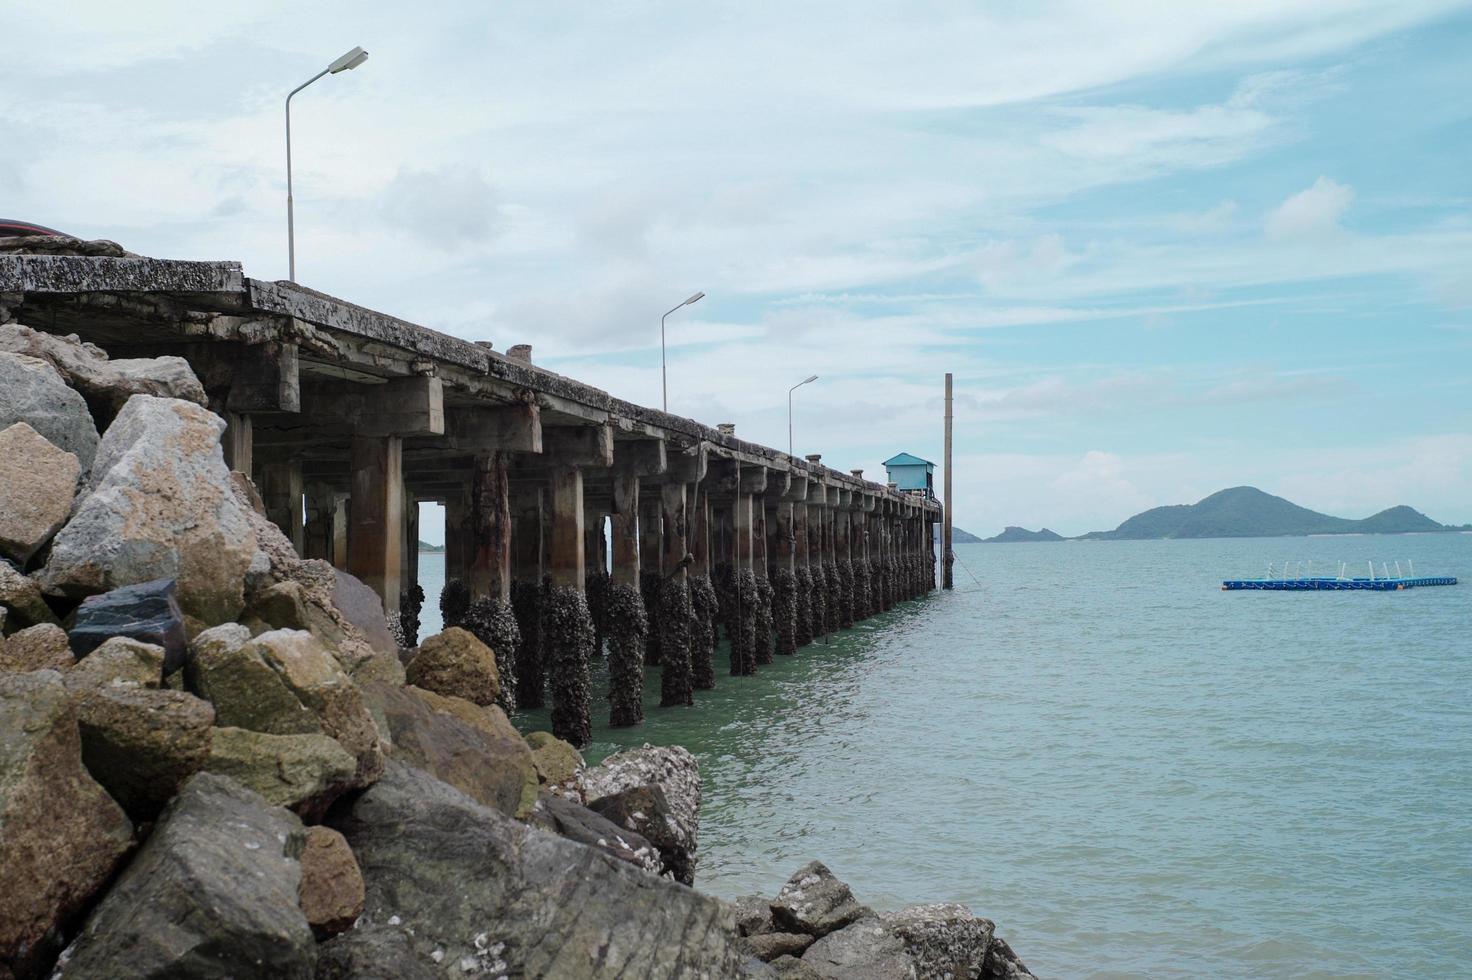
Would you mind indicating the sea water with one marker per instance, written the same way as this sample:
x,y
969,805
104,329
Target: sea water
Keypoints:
x,y
1131,771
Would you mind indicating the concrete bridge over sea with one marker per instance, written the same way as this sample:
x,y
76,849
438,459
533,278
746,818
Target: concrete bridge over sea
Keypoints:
x,y
345,419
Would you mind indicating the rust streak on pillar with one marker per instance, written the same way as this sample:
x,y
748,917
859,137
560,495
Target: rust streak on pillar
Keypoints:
x,y
488,565
625,527
376,515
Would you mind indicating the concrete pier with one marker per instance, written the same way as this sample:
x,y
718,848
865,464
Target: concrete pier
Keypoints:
x,y
345,418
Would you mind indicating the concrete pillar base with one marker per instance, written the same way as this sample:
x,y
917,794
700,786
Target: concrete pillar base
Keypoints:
x,y
493,622
673,624
702,633
526,603
784,610
627,628
567,630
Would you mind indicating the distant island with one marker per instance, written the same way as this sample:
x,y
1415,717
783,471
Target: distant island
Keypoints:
x,y
432,548
958,536
1242,512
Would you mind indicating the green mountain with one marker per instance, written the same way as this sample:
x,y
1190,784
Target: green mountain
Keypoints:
x,y
958,536
432,548
1247,512
1017,534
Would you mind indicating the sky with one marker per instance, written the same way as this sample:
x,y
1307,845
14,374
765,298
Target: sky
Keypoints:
x,y
1165,248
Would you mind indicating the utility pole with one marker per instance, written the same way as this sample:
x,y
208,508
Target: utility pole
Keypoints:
x,y
947,558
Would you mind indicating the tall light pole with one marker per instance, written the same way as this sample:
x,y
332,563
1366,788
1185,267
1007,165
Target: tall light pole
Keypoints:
x,y
804,381
352,59
663,376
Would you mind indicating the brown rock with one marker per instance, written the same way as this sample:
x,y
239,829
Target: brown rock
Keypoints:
x,y
61,835
37,484
21,597
120,662
304,773
332,885
287,605
473,748
142,744
454,663
41,647
557,762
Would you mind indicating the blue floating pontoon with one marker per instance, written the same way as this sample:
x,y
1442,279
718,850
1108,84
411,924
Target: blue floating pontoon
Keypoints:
x,y
1315,584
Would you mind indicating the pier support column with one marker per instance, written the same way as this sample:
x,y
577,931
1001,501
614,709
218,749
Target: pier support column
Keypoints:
x,y
454,598
784,579
411,596
595,558
803,577
320,528
762,625
490,615
627,624
673,618
281,492
703,603
859,558
527,592
817,566
742,619
376,513
842,540
568,625
833,594
651,556
238,443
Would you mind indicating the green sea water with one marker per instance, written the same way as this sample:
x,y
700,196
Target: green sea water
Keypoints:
x,y
1134,773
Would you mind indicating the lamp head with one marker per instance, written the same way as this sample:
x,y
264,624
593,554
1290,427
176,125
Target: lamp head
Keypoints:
x,y
694,299
352,59
810,379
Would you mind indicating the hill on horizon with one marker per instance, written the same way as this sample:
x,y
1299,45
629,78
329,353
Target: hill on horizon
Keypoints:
x,y
1241,512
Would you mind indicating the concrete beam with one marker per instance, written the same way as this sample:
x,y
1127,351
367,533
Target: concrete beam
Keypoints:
x,y
510,428
578,446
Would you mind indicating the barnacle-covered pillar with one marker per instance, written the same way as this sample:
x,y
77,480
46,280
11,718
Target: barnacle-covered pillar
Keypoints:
x,y
673,618
842,540
762,625
595,557
651,557
784,582
803,574
742,618
528,527
702,592
488,570
859,557
567,626
626,625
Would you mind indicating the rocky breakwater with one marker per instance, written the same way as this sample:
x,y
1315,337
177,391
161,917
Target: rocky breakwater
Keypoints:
x,y
215,760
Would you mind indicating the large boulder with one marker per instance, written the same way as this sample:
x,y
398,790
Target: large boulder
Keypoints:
x,y
287,605
479,892
142,744
159,504
32,392
37,484
671,768
332,884
304,773
646,811
457,665
361,607
943,939
41,647
768,946
148,612
120,662
21,598
61,835
863,950
815,902
576,822
374,952
473,748
1003,964
212,894
107,383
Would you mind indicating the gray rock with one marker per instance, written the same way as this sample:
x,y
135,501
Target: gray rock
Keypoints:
x,y
61,835
578,823
41,647
142,744
482,893
32,392
945,940
37,484
212,894
770,945
646,811
864,950
159,504
147,612
674,770
815,902
361,607
1003,964
754,915
373,952
107,383
21,597
792,968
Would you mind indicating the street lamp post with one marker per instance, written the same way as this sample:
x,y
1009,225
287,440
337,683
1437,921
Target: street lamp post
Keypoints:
x,y
804,381
352,59
663,376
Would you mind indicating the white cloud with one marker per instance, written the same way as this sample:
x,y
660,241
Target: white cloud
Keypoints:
x,y
1314,212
